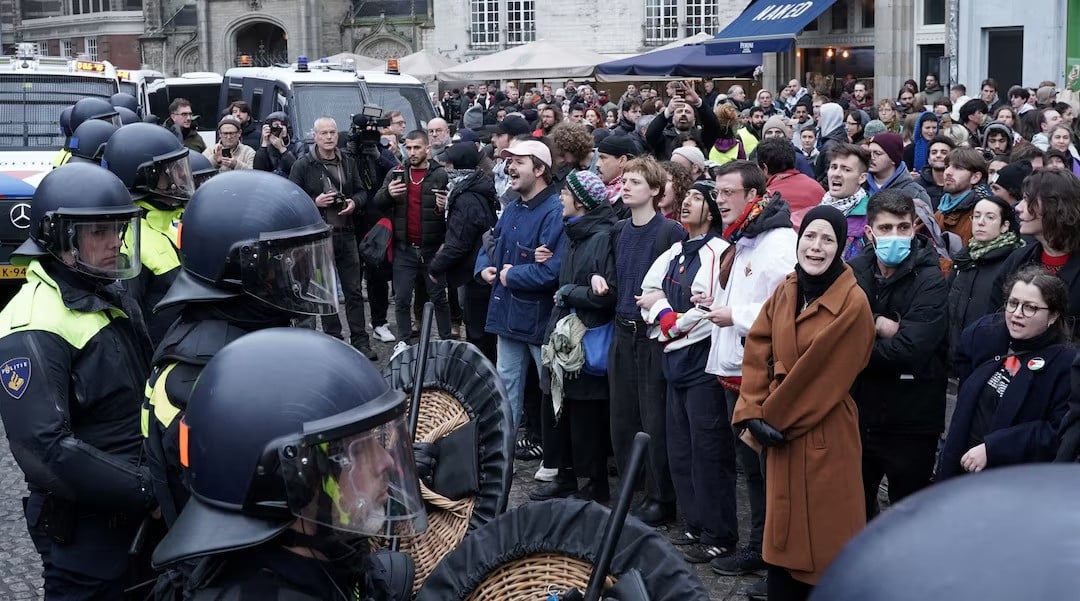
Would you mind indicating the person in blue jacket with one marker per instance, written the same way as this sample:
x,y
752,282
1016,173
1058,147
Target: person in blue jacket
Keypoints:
x,y
1014,380
523,290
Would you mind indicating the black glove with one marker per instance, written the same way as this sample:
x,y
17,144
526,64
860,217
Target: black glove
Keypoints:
x,y
426,455
764,433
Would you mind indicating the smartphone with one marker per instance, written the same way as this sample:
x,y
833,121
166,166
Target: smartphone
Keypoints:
x,y
399,175
227,153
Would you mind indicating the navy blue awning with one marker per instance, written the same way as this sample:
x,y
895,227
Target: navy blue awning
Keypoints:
x,y
685,61
766,26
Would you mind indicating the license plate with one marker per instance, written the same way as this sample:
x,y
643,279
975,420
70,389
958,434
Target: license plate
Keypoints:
x,y
11,272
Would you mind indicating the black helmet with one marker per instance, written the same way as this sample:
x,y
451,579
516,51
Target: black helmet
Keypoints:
x,y
288,423
150,159
255,233
123,99
65,121
201,168
88,142
127,116
998,535
93,108
94,231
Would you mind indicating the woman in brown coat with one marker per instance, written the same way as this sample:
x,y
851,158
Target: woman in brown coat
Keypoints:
x,y
812,337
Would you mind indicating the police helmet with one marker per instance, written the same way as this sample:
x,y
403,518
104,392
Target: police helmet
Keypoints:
x,y
998,535
65,122
94,231
201,168
88,142
150,159
125,100
127,116
286,424
93,108
257,234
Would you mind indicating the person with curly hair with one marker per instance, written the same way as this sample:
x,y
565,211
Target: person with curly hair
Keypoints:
x,y
573,147
678,181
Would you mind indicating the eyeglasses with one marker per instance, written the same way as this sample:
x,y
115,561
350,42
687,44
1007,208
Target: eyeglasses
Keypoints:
x,y
1026,309
230,133
730,192
402,122
187,114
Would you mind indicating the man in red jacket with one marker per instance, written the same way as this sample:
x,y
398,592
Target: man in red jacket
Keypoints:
x,y
776,157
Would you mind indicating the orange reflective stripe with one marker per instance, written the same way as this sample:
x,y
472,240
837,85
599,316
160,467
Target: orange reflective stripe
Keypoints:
x,y
183,443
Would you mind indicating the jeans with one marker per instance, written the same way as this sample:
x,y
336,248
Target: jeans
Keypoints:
x,y
751,463
638,404
701,448
410,264
512,363
351,275
906,459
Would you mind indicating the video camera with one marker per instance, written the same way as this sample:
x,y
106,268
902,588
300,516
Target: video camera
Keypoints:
x,y
364,134
370,116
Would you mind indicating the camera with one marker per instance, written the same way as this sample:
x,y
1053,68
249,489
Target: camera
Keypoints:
x,y
370,116
275,130
339,202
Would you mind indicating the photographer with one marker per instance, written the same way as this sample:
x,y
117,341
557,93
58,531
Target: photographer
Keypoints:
x,y
277,151
333,181
229,153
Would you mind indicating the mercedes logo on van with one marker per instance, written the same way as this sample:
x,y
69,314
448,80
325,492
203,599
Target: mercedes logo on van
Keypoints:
x,y
20,216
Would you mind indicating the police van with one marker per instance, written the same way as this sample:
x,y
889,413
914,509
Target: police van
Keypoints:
x,y
201,89
34,90
137,83
306,92
15,196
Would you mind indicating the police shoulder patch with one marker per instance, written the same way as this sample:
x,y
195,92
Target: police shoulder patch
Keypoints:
x,y
15,375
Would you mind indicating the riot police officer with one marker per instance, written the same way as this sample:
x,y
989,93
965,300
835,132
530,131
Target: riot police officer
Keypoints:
x,y
153,165
201,168
297,451
64,154
93,108
88,142
74,357
127,101
255,253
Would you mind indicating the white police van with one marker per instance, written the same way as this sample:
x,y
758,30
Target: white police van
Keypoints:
x,y
201,88
306,92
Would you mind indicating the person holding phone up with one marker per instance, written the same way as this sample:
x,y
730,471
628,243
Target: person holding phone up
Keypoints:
x,y
229,153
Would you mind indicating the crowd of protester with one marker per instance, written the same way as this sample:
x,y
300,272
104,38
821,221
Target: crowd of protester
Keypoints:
x,y
784,282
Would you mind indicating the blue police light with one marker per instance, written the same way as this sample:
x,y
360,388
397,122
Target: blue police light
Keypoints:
x,y
301,64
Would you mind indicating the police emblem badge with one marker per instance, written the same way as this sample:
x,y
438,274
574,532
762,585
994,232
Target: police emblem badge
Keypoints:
x,y
15,374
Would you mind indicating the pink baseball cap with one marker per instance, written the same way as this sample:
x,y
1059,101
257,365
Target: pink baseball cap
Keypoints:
x,y
527,148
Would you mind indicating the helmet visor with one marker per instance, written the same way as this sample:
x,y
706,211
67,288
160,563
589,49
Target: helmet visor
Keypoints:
x,y
170,178
96,246
364,483
295,274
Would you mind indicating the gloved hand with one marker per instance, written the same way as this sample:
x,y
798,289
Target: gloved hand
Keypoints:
x,y
764,433
426,455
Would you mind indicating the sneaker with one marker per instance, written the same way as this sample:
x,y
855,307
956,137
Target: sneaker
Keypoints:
x,y
760,591
528,449
547,474
684,539
702,553
399,348
382,333
744,561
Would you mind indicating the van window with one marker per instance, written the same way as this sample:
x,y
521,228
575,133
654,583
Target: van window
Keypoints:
x,y
311,101
204,101
412,101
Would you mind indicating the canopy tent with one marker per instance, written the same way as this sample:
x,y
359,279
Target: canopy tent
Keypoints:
x,y
766,26
363,63
697,38
535,60
686,61
424,65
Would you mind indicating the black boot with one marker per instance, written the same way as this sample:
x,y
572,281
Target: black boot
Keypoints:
x,y
596,490
563,486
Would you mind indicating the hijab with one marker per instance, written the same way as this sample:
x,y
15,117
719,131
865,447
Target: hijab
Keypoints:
x,y
812,287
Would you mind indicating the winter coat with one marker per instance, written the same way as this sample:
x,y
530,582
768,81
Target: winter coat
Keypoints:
x,y
764,256
1030,254
308,173
243,154
970,290
902,182
432,224
662,137
902,390
586,252
958,220
691,325
1024,427
796,374
520,310
934,191
800,192
268,158
470,212
749,146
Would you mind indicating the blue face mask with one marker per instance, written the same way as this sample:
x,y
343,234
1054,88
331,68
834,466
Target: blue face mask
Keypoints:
x,y
892,250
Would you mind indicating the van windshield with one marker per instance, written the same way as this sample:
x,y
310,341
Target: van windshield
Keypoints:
x,y
412,101
326,100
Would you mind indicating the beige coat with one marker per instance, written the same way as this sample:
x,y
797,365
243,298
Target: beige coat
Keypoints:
x,y
796,376
244,155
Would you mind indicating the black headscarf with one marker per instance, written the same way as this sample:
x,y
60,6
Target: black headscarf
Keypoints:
x,y
813,286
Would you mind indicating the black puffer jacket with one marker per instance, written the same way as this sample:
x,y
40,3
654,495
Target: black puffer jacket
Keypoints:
x,y
587,250
934,191
971,289
470,213
432,224
902,390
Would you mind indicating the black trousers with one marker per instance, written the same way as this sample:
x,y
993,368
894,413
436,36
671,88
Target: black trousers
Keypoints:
x,y
475,299
906,459
378,291
782,587
638,404
753,468
351,275
574,443
410,264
